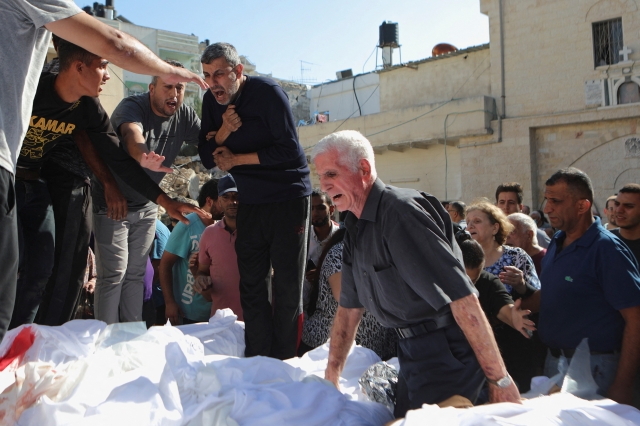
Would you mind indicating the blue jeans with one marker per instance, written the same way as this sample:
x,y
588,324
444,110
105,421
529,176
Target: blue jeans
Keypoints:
x,y
603,369
36,233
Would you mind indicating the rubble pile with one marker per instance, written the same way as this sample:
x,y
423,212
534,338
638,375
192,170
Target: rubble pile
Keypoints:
x,y
184,183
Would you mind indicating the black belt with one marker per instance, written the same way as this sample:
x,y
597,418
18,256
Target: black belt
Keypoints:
x,y
426,327
27,174
568,353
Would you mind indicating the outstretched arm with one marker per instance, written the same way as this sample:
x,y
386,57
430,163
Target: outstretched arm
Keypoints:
x,y
119,48
137,148
343,333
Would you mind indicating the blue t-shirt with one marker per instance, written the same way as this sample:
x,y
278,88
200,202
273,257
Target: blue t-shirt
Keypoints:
x,y
160,241
584,287
183,242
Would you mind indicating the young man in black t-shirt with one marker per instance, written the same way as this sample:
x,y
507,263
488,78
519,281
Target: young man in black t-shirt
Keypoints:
x,y
627,214
65,106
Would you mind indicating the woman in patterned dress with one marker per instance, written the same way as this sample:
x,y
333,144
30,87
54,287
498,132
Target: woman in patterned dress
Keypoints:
x,y
317,329
489,226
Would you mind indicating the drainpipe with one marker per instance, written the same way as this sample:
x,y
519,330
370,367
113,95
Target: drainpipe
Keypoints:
x,y
502,97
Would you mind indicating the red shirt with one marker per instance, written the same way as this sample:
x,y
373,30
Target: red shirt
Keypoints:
x,y
537,261
217,249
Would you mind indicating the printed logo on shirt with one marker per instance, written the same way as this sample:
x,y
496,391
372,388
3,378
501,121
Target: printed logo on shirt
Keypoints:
x,y
188,292
568,278
195,243
42,131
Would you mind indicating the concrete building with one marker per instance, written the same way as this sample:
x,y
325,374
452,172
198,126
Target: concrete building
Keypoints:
x,y
297,93
550,90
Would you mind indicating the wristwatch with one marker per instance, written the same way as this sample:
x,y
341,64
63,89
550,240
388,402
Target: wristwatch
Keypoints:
x,y
505,382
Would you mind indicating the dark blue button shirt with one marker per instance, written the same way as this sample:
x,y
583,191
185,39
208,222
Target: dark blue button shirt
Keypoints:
x,y
584,286
269,130
400,259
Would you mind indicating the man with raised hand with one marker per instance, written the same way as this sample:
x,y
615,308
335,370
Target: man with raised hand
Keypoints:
x,y
27,23
67,105
152,127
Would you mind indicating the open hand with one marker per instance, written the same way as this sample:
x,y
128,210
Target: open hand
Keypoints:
x,y
177,210
181,75
153,162
519,320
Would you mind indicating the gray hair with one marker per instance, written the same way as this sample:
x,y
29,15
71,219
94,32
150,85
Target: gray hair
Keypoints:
x,y
154,79
220,50
523,221
351,147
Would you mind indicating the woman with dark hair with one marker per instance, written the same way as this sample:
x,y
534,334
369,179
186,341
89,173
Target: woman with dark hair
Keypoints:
x,y
317,329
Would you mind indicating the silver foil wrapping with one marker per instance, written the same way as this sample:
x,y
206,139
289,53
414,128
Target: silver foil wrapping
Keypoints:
x,y
379,383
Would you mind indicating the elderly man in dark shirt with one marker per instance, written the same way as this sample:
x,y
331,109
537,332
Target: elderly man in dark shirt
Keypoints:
x,y
402,264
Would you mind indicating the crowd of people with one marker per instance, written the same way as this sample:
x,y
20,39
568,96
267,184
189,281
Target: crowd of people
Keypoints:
x,y
455,291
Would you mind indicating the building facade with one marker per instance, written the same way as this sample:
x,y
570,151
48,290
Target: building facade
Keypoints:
x,y
555,87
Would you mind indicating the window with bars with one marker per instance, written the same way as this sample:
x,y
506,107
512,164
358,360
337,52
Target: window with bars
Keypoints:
x,y
607,42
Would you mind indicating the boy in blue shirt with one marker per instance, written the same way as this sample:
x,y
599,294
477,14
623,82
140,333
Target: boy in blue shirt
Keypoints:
x,y
183,305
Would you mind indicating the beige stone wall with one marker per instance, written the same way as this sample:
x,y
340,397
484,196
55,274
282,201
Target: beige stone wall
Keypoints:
x,y
491,163
548,50
596,148
462,76
548,57
465,117
534,147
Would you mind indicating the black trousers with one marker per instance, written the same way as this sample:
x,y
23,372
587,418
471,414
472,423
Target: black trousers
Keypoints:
x,y
272,235
8,248
519,355
71,199
435,366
